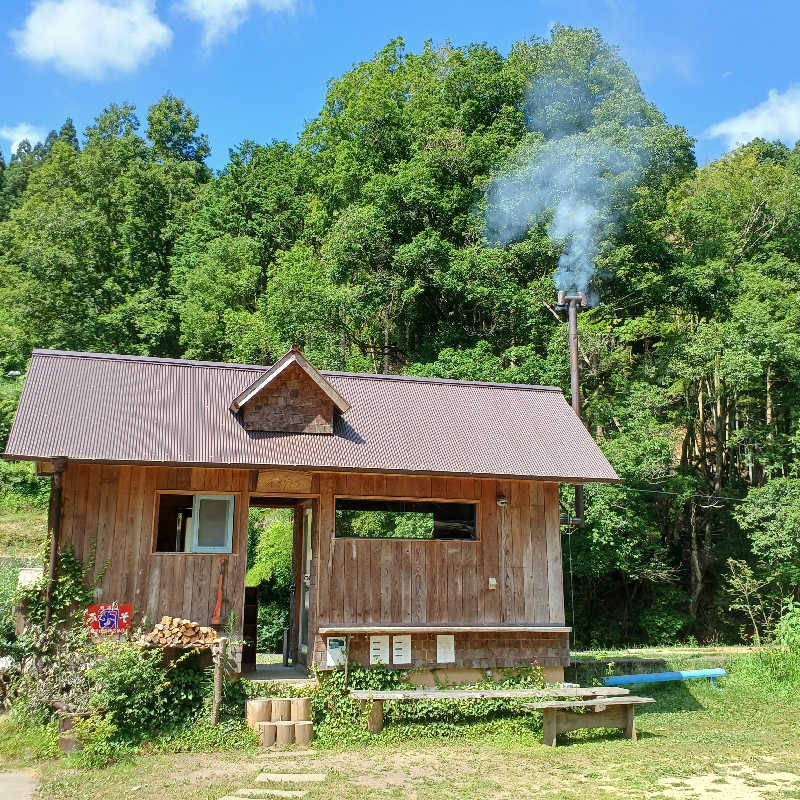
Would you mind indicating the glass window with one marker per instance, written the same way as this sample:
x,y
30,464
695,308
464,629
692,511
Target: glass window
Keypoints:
x,y
404,519
200,523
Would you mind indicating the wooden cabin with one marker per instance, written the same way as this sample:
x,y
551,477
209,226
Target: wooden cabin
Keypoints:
x,y
158,462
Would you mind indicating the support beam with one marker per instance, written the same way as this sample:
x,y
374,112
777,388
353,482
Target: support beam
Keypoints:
x,y
54,524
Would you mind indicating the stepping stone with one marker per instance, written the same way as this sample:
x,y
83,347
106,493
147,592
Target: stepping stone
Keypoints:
x,y
288,777
250,793
288,753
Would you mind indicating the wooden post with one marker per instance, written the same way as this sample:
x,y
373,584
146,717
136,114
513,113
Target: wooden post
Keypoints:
x,y
281,709
303,732
549,726
375,720
54,523
267,732
301,709
630,723
257,710
219,671
284,733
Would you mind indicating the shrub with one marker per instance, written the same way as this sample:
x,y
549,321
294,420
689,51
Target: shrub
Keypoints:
x,y
97,735
787,631
272,619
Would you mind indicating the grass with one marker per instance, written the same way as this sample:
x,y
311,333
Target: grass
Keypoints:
x,y
22,531
736,742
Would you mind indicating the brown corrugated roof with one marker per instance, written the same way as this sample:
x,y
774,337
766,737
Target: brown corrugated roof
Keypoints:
x,y
112,408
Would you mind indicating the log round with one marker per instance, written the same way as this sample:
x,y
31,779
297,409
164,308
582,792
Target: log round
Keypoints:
x,y
284,733
267,732
258,709
281,709
303,732
301,709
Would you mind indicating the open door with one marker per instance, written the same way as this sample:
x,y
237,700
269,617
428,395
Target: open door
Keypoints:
x,y
304,595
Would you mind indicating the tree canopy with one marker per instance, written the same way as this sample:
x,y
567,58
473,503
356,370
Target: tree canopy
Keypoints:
x,y
373,243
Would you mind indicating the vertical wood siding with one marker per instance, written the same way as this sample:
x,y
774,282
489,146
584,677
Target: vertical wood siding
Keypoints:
x,y
385,581
108,513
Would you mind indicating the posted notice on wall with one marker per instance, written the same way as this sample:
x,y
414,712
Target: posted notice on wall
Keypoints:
x,y
401,649
337,651
379,650
445,648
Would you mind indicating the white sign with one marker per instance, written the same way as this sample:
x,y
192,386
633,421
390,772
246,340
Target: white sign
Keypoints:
x,y
401,649
379,650
337,651
445,649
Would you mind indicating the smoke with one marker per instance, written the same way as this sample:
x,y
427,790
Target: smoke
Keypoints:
x,y
573,172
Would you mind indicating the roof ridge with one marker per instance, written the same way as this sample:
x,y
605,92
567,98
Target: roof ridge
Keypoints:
x,y
185,362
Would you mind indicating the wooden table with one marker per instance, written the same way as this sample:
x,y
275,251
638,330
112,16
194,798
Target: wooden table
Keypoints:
x,y
377,698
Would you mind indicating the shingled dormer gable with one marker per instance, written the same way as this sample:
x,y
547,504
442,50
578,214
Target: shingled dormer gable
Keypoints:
x,y
291,397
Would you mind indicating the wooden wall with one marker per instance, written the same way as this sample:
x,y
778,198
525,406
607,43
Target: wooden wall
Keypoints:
x,y
110,509
362,581
354,581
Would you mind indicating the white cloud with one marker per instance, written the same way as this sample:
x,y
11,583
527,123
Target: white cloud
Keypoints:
x,y
778,117
89,38
14,134
222,17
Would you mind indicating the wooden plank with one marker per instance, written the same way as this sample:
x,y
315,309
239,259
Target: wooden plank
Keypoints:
x,y
79,538
419,586
282,480
454,582
201,576
520,530
387,568
375,580
490,554
396,548
117,579
454,488
469,581
406,577
600,700
350,583
141,527
432,583
364,591
106,517
153,589
555,578
506,555
442,628
324,555
187,585
541,600
438,486
591,692
68,498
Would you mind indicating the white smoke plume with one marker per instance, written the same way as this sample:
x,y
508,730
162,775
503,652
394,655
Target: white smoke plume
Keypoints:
x,y
573,173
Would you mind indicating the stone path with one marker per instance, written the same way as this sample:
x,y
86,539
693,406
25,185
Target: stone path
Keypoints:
x,y
19,785
280,760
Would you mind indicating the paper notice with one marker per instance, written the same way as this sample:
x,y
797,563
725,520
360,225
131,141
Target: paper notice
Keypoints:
x,y
445,649
401,649
379,650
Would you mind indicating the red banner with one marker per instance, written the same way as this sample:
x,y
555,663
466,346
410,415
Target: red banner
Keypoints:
x,y
109,618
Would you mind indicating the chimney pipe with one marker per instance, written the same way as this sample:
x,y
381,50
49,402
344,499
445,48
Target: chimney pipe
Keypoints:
x,y
570,303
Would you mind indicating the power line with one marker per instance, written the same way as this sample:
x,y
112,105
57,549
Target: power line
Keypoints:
x,y
681,494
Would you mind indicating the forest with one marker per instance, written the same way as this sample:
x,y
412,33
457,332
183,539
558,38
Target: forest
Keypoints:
x,y
406,231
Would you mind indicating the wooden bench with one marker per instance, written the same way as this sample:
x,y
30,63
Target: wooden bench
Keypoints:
x,y
377,698
609,712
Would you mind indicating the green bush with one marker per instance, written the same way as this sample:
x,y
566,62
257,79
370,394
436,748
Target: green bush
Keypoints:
x,y
787,631
21,487
272,619
98,737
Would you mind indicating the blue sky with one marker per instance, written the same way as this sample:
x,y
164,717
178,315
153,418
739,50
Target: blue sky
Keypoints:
x,y
257,69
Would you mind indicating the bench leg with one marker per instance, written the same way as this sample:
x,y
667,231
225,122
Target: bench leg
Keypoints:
x,y
630,723
549,726
375,720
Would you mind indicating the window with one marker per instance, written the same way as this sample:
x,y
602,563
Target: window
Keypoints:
x,y
199,523
404,519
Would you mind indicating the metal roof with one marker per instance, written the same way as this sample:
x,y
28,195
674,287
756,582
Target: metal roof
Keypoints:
x,y
131,409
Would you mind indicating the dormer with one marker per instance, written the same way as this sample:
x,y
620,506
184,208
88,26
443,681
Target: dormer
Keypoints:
x,y
291,397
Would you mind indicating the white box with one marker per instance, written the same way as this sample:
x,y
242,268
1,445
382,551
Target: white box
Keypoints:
x,y
445,648
337,651
401,649
379,650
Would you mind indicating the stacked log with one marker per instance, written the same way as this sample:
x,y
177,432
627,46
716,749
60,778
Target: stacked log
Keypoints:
x,y
176,632
281,721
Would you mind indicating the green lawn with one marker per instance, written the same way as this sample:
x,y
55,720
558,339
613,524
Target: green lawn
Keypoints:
x,y
735,742
22,532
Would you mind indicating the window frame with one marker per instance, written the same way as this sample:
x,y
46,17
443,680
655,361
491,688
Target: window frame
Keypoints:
x,y
467,501
231,497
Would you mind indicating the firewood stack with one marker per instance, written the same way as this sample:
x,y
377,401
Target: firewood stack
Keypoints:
x,y
175,632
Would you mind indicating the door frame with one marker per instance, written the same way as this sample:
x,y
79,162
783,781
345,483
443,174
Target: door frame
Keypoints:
x,y
298,555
